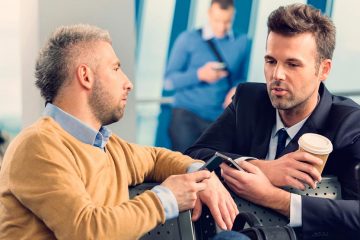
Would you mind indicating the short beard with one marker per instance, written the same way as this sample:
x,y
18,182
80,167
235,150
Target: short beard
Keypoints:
x,y
100,104
291,105
279,102
281,105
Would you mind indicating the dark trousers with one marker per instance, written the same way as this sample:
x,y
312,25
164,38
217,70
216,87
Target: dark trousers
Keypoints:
x,y
230,235
185,128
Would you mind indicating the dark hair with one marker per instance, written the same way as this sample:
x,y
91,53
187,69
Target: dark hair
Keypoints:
x,y
60,52
301,18
224,4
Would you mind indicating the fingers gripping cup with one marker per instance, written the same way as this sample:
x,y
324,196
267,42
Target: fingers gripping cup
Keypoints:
x,y
317,145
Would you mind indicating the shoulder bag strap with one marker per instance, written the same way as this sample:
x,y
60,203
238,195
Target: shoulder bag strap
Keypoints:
x,y
219,58
243,218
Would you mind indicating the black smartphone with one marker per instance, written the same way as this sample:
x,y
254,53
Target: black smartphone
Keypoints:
x,y
217,159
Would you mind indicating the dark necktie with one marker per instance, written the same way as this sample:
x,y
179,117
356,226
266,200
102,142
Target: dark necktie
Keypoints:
x,y
282,136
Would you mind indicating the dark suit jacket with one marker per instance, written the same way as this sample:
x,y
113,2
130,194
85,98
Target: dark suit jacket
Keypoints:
x,y
244,129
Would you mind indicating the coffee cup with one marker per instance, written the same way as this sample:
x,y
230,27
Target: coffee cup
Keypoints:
x,y
316,145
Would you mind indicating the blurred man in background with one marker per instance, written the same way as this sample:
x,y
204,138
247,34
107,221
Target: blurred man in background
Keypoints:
x,y
204,67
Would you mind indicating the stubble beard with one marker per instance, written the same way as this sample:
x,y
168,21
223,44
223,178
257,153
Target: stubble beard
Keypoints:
x,y
289,104
282,103
100,104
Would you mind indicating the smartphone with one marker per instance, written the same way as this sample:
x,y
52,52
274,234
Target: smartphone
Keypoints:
x,y
219,66
217,159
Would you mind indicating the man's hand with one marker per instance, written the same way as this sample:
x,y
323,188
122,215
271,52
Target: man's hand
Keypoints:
x,y
208,73
254,186
293,169
218,199
228,97
185,187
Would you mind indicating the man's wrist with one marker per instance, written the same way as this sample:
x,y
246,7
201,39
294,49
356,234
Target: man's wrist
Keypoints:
x,y
199,75
257,162
279,200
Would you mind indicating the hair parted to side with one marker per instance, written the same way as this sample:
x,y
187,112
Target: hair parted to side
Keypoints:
x,y
301,18
224,4
58,54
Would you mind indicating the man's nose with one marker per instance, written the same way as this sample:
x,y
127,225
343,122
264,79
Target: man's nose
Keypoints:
x,y
279,73
129,85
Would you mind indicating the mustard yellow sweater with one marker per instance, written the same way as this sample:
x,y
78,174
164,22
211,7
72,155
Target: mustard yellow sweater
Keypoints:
x,y
53,186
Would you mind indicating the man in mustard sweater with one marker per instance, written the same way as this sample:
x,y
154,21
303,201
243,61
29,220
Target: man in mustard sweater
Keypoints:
x,y
67,176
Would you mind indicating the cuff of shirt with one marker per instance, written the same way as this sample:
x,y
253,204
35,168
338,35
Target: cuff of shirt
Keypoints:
x,y
295,210
244,158
194,167
168,201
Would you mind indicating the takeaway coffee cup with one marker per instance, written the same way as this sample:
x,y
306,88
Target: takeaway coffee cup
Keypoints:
x,y
317,145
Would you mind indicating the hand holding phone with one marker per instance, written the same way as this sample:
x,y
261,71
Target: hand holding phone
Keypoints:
x,y
217,159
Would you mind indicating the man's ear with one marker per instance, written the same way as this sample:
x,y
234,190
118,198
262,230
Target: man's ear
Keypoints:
x,y
325,68
85,76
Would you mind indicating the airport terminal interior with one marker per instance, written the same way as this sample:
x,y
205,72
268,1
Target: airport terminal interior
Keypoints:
x,y
143,34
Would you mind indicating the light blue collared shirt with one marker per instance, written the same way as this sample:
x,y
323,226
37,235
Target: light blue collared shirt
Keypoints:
x,y
77,128
88,135
291,131
295,200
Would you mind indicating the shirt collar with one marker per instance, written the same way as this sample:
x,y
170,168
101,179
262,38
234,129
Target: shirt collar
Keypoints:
x,y
77,128
207,33
291,131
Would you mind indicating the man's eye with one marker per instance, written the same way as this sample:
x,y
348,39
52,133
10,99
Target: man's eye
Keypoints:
x,y
270,61
293,65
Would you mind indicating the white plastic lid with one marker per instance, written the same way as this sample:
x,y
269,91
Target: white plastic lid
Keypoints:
x,y
315,143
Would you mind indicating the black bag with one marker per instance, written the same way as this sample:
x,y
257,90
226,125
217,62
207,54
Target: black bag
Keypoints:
x,y
257,231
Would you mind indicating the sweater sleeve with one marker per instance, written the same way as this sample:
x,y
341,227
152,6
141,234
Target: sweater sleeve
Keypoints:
x,y
153,164
178,75
44,177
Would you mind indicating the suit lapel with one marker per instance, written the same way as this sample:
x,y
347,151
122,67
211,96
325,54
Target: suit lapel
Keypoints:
x,y
316,120
263,133
293,144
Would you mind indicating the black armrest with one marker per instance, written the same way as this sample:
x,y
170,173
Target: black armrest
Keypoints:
x,y
180,228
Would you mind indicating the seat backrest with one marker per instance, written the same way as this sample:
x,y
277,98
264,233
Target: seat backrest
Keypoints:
x,y
180,228
329,187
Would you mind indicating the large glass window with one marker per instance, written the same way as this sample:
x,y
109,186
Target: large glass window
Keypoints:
x,y
156,34
10,82
198,16
152,53
344,78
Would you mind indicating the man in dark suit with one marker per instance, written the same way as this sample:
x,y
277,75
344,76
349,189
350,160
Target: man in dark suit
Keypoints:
x,y
294,101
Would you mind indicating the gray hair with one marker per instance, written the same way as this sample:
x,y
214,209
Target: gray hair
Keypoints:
x,y
58,55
